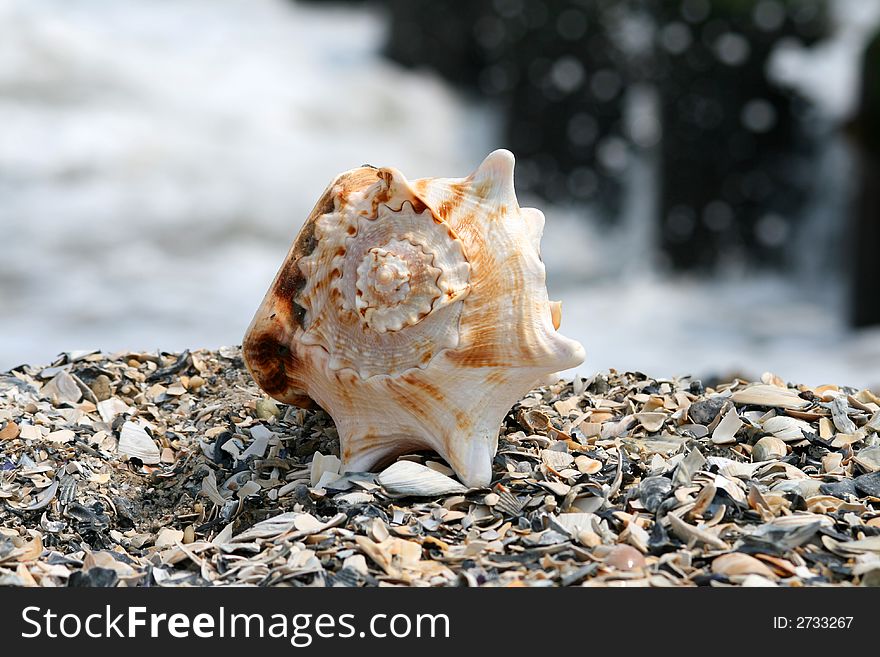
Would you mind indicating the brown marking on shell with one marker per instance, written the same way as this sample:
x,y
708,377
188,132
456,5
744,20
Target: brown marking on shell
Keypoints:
x,y
497,214
408,399
556,314
482,190
458,195
460,189
267,354
275,368
419,206
497,377
384,192
347,183
346,451
421,186
344,386
463,420
445,209
420,382
387,176
489,343
364,443
291,280
481,356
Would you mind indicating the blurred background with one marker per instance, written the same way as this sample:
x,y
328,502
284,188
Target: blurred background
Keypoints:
x,y
709,169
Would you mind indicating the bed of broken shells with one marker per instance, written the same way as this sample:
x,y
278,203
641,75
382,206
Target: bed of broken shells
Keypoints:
x,y
140,469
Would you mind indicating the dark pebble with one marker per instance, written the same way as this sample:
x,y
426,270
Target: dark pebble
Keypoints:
x,y
659,541
705,410
840,489
653,490
347,577
579,574
868,484
95,577
221,456
599,385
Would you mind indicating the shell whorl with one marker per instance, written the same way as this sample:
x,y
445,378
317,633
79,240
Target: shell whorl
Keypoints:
x,y
396,285
384,285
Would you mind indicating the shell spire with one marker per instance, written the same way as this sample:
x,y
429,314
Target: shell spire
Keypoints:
x,y
415,313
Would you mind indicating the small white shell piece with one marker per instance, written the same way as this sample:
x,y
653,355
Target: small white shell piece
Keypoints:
x,y
408,479
415,313
134,442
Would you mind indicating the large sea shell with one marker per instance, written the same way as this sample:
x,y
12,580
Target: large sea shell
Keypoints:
x,y
415,313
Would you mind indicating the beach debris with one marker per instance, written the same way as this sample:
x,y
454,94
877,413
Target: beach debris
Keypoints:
x,y
62,388
324,469
769,448
868,484
134,442
704,411
588,488
785,428
653,490
725,431
738,564
625,557
266,408
868,458
769,396
840,415
695,535
688,467
406,478
652,421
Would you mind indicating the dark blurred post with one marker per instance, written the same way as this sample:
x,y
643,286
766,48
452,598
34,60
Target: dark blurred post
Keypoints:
x,y
736,153
866,281
557,70
577,82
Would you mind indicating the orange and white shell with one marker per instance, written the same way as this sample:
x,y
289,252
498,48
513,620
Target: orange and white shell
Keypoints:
x,y
415,313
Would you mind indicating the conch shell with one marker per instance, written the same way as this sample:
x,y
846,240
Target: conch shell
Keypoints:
x,y
414,313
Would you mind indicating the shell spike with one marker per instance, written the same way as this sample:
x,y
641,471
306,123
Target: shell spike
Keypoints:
x,y
493,179
472,459
394,190
534,220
